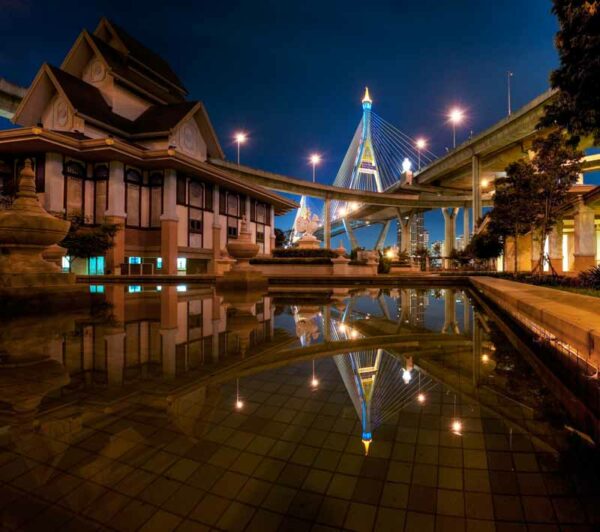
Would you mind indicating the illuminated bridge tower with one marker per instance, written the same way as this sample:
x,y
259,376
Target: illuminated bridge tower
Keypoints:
x,y
360,169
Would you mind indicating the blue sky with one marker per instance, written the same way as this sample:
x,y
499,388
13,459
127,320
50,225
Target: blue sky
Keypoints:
x,y
292,73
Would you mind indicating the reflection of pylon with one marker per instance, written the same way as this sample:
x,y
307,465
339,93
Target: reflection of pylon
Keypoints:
x,y
373,381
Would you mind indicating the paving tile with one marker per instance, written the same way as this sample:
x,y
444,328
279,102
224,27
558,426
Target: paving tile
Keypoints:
x,y
389,519
133,516
317,481
333,511
184,500
360,517
236,517
367,490
419,522
422,499
161,521
264,521
279,499
209,509
341,486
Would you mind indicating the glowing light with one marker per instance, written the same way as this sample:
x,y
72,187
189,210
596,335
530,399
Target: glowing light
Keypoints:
x,y
241,137
353,206
239,404
367,96
484,183
342,212
485,358
457,426
406,165
421,143
406,376
456,115
315,158
390,254
342,328
314,382
421,398
353,334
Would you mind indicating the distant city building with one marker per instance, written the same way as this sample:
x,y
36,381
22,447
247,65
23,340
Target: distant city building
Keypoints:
x,y
417,232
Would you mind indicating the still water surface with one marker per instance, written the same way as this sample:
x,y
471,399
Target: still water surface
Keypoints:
x,y
175,408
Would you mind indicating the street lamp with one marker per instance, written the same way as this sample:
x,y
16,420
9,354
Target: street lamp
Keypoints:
x,y
315,159
240,138
421,143
456,117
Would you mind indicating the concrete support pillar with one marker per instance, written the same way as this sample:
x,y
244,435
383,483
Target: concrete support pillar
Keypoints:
x,y
450,325
585,238
273,237
383,234
115,214
327,224
404,220
555,247
168,224
449,232
350,233
466,227
476,185
476,348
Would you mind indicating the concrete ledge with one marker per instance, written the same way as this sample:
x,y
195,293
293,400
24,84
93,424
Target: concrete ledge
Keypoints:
x,y
574,318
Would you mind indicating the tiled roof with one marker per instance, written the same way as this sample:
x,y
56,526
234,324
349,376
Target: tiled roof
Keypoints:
x,y
146,56
162,117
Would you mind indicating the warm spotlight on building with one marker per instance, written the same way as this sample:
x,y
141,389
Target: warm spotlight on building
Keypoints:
x,y
239,404
457,427
421,398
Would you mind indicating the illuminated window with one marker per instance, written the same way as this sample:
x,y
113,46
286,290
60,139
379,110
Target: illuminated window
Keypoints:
x,y
181,263
159,263
135,288
135,260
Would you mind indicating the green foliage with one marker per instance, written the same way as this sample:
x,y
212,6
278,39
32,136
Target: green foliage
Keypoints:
x,y
460,257
85,241
279,238
577,107
422,252
304,253
590,278
485,246
436,249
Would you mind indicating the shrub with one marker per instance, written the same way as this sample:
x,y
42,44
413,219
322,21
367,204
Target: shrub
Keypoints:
x,y
289,253
590,278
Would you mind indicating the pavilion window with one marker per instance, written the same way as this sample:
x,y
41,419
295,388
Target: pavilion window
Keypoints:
x,y
74,173
101,173
133,197
232,227
155,183
7,183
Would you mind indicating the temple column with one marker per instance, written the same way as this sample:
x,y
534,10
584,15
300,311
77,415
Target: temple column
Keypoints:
x,y
168,330
555,241
466,227
327,224
115,214
449,232
168,224
476,185
216,230
382,235
585,238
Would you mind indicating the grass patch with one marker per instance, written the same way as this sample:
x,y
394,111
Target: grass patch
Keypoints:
x,y
581,291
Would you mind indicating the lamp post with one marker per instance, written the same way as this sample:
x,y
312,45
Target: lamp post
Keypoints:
x,y
509,75
421,143
315,159
456,116
240,138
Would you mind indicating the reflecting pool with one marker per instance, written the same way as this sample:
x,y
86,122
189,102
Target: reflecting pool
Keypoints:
x,y
180,408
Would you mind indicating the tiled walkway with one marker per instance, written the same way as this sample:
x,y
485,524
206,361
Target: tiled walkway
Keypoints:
x,y
292,459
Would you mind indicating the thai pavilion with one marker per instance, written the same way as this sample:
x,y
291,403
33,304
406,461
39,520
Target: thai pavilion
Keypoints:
x,y
113,138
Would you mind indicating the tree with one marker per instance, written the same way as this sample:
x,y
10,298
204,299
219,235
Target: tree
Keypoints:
x,y
84,242
279,238
485,246
511,215
577,107
556,166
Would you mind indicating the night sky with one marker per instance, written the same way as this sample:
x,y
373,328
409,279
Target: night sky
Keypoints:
x,y
292,73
